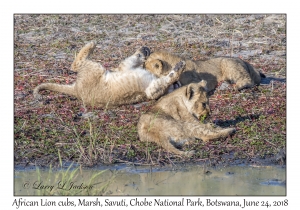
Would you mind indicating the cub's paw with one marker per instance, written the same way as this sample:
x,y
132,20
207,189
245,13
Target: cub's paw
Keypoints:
x,y
37,97
179,66
37,100
242,87
145,51
189,153
231,130
177,70
84,52
228,131
91,44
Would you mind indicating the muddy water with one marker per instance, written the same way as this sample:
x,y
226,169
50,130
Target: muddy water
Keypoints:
x,y
195,180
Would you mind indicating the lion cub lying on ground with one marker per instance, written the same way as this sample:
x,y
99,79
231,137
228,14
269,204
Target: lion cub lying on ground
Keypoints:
x,y
174,119
129,83
233,70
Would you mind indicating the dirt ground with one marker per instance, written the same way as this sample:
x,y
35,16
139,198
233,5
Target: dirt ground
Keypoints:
x,y
60,130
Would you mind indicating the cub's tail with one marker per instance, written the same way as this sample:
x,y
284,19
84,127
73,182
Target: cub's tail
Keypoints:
x,y
83,54
67,89
254,73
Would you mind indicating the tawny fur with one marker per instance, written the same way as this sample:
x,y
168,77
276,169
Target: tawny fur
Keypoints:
x,y
233,70
174,119
127,84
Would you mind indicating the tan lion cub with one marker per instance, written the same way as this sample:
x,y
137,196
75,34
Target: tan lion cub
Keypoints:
x,y
233,70
174,119
129,83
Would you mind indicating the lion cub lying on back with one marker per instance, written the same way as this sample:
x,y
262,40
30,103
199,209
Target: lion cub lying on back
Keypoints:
x,y
129,83
233,70
174,119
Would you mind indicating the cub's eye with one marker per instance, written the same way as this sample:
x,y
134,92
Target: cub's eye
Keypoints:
x,y
204,105
139,55
156,66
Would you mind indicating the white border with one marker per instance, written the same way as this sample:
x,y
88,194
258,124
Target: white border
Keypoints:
x,y
153,6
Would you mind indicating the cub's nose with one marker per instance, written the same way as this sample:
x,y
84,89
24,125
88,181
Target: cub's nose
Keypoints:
x,y
145,51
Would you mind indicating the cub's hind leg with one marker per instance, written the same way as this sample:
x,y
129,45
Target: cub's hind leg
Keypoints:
x,y
236,71
79,63
83,54
135,60
166,133
160,86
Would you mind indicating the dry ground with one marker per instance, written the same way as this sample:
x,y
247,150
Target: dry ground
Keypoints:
x,y
45,45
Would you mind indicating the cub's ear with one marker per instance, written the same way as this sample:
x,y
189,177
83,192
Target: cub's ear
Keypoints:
x,y
190,91
158,64
203,84
154,66
157,67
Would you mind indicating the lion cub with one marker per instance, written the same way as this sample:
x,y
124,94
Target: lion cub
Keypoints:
x,y
129,83
233,70
174,119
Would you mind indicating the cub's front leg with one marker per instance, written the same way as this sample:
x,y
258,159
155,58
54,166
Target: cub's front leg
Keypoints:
x,y
207,132
167,133
135,60
160,85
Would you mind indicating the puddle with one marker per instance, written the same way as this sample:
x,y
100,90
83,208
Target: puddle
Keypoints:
x,y
236,180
